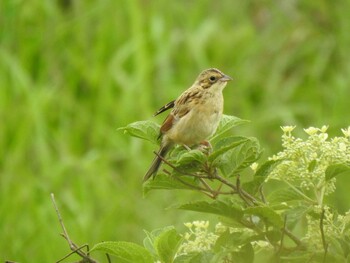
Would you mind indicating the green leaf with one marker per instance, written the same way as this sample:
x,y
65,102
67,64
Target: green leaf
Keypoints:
x,y
267,214
252,186
225,145
284,195
217,207
259,177
167,244
336,170
227,122
245,254
126,251
229,240
296,213
148,242
166,182
239,158
191,156
147,130
266,168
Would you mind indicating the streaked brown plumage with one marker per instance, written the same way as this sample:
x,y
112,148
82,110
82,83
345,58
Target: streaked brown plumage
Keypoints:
x,y
195,115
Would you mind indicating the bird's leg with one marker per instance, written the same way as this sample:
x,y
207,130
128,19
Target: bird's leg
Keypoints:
x,y
206,147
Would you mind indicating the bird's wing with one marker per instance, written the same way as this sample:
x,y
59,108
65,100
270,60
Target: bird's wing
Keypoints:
x,y
165,108
180,109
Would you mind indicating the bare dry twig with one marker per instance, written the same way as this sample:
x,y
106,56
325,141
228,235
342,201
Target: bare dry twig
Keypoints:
x,y
75,249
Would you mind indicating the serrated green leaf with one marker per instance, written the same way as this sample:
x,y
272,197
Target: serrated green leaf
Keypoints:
x,y
147,130
126,251
336,170
166,182
167,244
191,156
267,214
227,122
239,158
225,145
216,207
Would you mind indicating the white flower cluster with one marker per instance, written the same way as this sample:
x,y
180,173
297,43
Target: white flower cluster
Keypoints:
x,y
198,238
304,162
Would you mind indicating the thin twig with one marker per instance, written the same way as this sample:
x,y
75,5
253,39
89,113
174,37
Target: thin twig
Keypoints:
x,y
239,190
186,183
73,252
293,237
262,194
206,185
212,176
177,170
65,233
75,249
234,187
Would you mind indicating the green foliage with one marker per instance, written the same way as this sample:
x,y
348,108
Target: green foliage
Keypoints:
x,y
146,130
255,227
217,207
167,245
125,251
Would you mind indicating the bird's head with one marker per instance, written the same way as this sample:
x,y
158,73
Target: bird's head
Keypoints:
x,y
212,79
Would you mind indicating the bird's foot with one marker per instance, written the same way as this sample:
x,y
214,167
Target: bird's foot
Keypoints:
x,y
205,147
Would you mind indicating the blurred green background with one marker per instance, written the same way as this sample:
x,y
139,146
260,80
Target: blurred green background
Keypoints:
x,y
72,72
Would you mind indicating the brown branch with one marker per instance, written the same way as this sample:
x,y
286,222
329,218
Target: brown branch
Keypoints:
x,y
296,240
195,187
75,249
239,190
208,192
234,187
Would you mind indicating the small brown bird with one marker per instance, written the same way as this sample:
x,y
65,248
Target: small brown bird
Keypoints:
x,y
195,115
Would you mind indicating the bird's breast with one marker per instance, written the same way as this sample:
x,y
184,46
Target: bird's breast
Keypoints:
x,y
200,122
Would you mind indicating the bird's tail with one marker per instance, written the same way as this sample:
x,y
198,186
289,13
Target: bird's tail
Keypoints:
x,y
152,171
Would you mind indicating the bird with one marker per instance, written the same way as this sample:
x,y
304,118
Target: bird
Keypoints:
x,y
194,117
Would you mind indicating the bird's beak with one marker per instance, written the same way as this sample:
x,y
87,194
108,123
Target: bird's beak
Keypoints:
x,y
225,78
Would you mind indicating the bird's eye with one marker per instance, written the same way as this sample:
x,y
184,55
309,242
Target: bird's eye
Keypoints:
x,y
212,78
